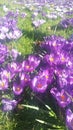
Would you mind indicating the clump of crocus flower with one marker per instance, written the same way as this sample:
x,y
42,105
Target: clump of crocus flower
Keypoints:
x,y
50,69
8,27
65,23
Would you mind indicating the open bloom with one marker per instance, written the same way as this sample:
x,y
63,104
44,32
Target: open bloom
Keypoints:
x,y
62,98
47,74
17,88
31,63
39,84
24,79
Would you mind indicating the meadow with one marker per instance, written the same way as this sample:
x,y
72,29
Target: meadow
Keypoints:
x,y
32,23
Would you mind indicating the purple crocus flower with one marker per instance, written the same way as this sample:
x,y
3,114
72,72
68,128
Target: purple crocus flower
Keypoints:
x,y
62,77
23,15
53,44
14,68
62,98
70,79
39,84
5,74
24,79
51,16
2,58
8,104
3,53
8,27
14,34
15,53
3,84
64,23
47,74
31,63
2,36
62,58
38,22
3,49
17,88
69,119
4,29
50,59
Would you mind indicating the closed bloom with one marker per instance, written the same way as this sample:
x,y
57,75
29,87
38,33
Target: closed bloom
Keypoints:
x,y
8,105
3,53
3,84
15,53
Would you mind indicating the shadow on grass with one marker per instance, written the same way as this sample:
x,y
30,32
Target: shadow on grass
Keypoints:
x,y
25,118
35,34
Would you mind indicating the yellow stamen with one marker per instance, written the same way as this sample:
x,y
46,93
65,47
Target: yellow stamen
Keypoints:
x,y
18,89
27,66
47,76
54,44
2,84
51,59
63,58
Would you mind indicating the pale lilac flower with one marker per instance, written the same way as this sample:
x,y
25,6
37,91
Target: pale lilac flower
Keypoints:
x,y
5,74
2,36
3,84
8,105
15,53
5,9
38,22
4,29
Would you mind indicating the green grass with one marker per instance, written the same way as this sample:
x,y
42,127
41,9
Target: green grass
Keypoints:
x,y
25,118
